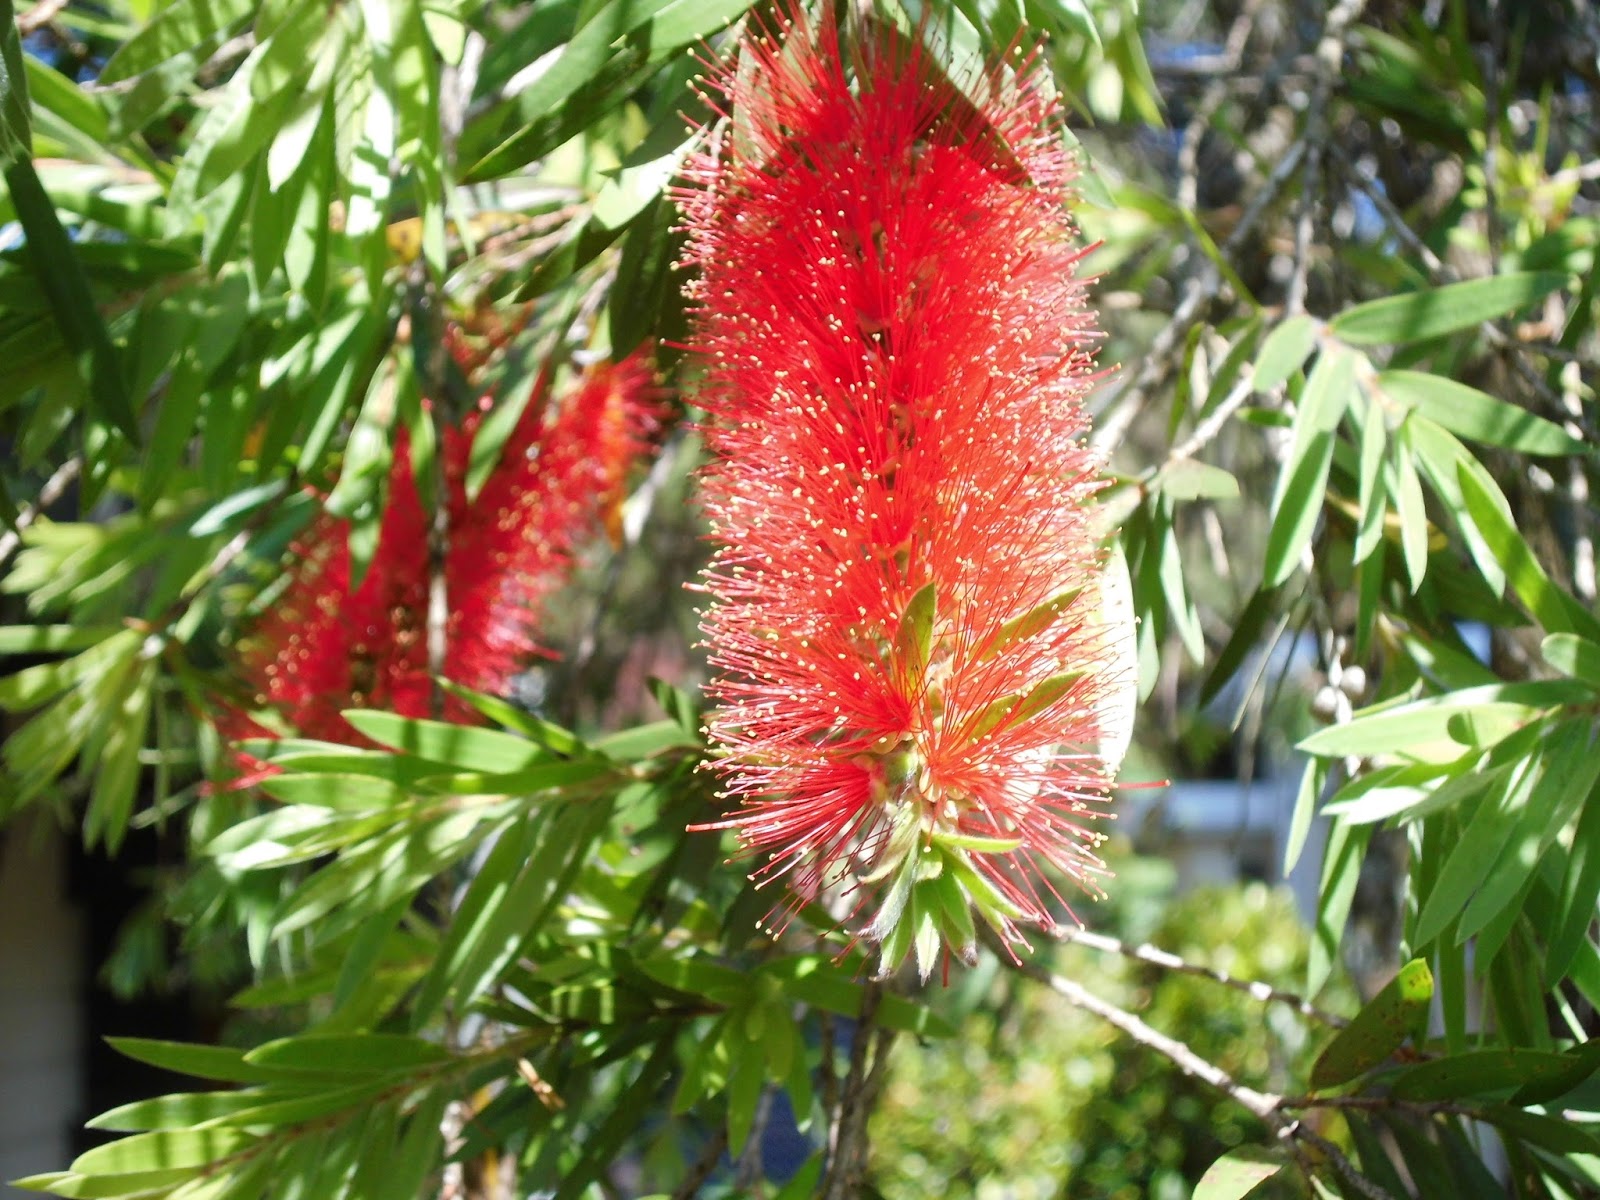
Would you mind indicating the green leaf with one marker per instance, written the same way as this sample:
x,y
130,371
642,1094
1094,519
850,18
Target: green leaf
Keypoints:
x,y
60,277
606,59
1412,511
176,1111
464,746
1187,479
1378,1030
159,1182
646,741
311,1106
180,27
345,793
1556,1134
51,639
1418,316
1296,505
16,136
1478,416
348,1054
162,1150
1031,623
1312,780
1371,496
1341,867
1238,1174
523,877
222,1064
1420,729
1580,888
1284,351
1567,653
817,981
1550,605
1475,853
1478,1073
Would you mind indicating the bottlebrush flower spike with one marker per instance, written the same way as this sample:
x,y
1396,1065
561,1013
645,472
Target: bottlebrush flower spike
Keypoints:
x,y
906,618
561,475
321,647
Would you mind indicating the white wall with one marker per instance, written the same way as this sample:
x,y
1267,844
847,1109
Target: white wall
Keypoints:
x,y
40,1020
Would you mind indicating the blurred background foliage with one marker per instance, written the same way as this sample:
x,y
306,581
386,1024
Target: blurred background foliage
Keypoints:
x,y
1345,260
1041,1099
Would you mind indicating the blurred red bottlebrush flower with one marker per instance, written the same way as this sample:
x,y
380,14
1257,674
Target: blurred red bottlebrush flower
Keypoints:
x,y
322,647
916,685
557,480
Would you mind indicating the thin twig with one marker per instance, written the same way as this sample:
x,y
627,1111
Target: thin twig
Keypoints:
x,y
52,490
1171,962
702,1167
752,1170
39,16
1262,1104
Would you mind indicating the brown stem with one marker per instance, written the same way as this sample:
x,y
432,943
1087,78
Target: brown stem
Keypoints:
x,y
847,1137
53,489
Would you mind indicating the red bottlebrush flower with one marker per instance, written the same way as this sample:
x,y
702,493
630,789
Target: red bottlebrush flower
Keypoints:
x,y
321,647
560,475
906,602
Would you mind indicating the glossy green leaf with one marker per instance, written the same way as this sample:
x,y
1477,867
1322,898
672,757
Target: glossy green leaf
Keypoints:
x,y
1413,514
16,135
1579,892
1238,1174
1421,728
1550,606
1371,495
1286,348
162,1150
60,277
1475,853
604,59
176,1111
464,746
222,1064
1573,655
1296,506
1378,1030
1477,1073
345,793
1188,479
1417,316
1478,416
348,1054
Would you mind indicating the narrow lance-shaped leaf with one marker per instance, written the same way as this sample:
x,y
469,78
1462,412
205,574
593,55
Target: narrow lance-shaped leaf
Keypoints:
x,y
1378,1029
61,278
1418,316
1469,413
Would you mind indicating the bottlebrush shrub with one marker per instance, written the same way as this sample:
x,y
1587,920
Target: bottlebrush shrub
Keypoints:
x,y
914,678
323,647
